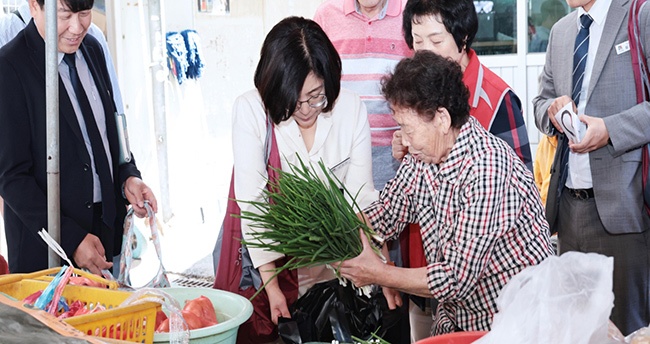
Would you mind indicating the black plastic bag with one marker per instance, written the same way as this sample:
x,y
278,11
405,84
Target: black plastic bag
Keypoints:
x,y
330,311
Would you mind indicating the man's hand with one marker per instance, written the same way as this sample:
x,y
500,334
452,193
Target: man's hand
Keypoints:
x,y
90,254
596,136
136,192
555,107
399,150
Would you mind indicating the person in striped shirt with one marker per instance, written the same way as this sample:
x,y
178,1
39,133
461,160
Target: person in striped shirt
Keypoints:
x,y
367,34
481,216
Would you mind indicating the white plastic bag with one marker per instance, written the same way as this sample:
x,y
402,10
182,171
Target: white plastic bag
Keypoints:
x,y
565,299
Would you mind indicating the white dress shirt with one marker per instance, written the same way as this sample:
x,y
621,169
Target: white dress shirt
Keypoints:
x,y
579,174
98,112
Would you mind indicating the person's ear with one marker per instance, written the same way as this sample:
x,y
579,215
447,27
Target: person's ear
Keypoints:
x,y
34,7
444,119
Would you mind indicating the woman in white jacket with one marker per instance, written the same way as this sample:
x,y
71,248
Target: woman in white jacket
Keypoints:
x,y
297,85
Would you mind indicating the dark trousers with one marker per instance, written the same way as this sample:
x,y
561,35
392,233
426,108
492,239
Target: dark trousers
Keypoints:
x,y
581,230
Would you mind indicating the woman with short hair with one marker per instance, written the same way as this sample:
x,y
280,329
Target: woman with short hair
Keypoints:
x,y
477,205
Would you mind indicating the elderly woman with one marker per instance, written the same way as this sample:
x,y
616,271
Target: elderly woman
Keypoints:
x,y
480,213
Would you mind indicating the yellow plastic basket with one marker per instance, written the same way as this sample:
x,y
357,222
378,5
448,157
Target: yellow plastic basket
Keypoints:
x,y
134,323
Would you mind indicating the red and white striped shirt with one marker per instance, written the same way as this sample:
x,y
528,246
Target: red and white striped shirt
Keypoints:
x,y
369,49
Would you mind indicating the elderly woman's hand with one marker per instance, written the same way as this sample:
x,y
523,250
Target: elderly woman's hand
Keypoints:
x,y
366,268
399,150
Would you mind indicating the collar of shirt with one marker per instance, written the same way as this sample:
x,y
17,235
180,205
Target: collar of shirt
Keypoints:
x,y
60,57
25,12
471,78
598,12
391,8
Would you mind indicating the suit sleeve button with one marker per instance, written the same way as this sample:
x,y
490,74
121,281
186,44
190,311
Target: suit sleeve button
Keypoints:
x,y
86,167
89,205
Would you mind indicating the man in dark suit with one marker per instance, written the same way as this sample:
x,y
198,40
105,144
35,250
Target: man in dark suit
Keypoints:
x,y
595,199
95,188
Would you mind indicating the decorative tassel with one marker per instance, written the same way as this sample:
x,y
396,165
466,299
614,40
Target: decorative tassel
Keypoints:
x,y
193,47
177,53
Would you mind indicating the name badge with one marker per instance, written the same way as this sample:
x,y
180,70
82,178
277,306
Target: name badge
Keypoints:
x,y
623,47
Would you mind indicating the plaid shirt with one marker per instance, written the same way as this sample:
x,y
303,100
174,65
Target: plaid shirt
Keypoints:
x,y
481,221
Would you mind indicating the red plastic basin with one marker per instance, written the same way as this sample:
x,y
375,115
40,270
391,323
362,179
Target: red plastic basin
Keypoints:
x,y
454,338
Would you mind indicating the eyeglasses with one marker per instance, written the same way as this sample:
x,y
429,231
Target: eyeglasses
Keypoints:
x,y
314,102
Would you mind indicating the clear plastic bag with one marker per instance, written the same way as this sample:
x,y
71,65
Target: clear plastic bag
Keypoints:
x,y
178,328
565,299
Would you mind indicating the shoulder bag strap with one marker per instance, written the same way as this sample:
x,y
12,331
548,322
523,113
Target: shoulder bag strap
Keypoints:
x,y
641,79
639,66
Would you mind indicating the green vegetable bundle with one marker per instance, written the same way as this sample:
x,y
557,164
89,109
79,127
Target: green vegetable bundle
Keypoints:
x,y
307,219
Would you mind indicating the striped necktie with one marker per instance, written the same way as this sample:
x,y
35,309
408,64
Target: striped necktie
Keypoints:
x,y
580,56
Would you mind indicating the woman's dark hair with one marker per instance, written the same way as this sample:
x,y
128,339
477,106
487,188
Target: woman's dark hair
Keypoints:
x,y
74,5
458,16
427,82
293,48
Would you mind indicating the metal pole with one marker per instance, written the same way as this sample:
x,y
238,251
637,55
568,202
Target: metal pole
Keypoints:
x,y
52,117
158,77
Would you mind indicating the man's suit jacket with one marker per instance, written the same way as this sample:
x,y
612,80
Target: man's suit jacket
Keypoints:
x,y
23,177
615,168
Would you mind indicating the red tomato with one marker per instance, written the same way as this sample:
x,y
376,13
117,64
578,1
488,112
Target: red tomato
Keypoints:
x,y
209,314
164,326
160,317
202,307
193,321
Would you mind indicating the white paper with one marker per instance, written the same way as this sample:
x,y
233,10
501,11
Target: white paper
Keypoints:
x,y
571,125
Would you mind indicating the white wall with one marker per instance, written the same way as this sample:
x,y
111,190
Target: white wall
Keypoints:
x,y
230,51
198,111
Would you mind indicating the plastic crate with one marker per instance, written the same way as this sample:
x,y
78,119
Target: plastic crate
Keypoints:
x,y
134,323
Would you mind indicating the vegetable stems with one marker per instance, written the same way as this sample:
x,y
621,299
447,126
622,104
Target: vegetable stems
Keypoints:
x,y
312,220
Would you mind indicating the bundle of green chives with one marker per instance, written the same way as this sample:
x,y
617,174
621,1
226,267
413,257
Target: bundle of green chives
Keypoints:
x,y
307,218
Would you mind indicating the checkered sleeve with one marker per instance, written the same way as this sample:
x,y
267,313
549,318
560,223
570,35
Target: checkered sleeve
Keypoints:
x,y
395,208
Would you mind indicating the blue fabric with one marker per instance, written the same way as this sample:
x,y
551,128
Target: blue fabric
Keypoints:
x,y
580,50
177,53
193,47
